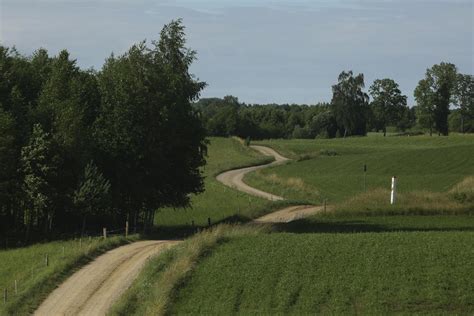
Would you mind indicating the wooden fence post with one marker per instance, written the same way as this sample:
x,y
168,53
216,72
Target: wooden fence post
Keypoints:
x,y
104,232
126,229
46,260
16,287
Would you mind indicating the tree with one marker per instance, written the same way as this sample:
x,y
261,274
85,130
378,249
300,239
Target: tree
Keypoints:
x,y
350,104
151,139
434,94
39,168
91,197
388,102
464,96
7,165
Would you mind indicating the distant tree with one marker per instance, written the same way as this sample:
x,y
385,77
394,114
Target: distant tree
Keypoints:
x,y
434,94
464,96
39,168
350,104
323,125
92,195
388,102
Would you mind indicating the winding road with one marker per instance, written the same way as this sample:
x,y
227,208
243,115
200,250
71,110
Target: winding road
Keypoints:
x,y
234,179
93,289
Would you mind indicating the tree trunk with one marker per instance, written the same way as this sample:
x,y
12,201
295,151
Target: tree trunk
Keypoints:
x,y
345,132
83,225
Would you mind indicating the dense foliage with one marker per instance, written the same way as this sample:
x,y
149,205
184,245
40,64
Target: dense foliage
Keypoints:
x,y
444,97
108,145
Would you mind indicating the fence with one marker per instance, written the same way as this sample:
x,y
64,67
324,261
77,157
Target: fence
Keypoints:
x,y
47,262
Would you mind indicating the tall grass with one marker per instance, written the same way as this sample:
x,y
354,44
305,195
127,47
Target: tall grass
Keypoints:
x,y
157,286
35,279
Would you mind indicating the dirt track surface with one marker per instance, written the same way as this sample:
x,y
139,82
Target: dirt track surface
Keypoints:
x,y
234,179
93,289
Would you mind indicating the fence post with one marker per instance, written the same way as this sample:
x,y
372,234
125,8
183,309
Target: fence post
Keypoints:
x,y
16,287
46,260
393,193
126,229
104,232
63,252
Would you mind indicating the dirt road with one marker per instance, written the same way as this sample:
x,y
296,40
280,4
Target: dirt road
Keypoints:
x,y
234,179
95,287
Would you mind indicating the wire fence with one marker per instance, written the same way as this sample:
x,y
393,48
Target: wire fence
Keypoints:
x,y
49,261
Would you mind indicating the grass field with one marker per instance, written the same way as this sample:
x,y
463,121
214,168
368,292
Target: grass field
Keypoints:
x,y
34,279
218,201
367,273
406,260
333,169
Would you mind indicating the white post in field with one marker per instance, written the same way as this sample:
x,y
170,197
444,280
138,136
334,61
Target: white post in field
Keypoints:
x,y
393,195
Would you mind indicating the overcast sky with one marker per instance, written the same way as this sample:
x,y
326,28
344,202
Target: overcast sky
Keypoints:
x,y
283,51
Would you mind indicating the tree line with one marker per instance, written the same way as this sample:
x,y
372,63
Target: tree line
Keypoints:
x,y
444,102
82,148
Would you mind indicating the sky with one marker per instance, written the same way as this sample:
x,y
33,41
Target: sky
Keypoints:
x,y
262,51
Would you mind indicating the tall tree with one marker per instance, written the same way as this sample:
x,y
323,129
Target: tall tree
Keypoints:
x,y
152,140
388,102
92,195
39,168
350,104
434,95
464,96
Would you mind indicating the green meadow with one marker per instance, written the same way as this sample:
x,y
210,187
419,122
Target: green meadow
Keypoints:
x,y
361,256
333,169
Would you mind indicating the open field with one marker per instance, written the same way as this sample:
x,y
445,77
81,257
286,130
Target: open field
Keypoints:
x,y
333,169
35,280
369,273
218,201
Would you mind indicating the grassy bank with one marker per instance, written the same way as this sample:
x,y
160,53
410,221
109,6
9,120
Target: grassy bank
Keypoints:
x,y
34,279
369,273
155,290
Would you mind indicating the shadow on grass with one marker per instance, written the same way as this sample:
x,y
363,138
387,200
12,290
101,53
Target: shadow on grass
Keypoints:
x,y
378,224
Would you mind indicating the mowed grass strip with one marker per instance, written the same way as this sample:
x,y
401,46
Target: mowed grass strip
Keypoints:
x,y
421,163
35,280
366,273
218,202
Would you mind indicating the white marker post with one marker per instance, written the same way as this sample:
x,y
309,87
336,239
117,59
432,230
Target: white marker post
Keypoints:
x,y
393,194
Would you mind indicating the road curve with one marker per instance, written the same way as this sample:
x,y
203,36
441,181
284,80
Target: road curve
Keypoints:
x,y
93,289
234,179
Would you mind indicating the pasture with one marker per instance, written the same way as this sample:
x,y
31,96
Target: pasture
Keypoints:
x,y
369,273
333,169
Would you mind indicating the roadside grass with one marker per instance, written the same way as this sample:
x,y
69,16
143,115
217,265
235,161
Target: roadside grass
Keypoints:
x,y
421,163
157,286
337,223
365,273
35,280
219,202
